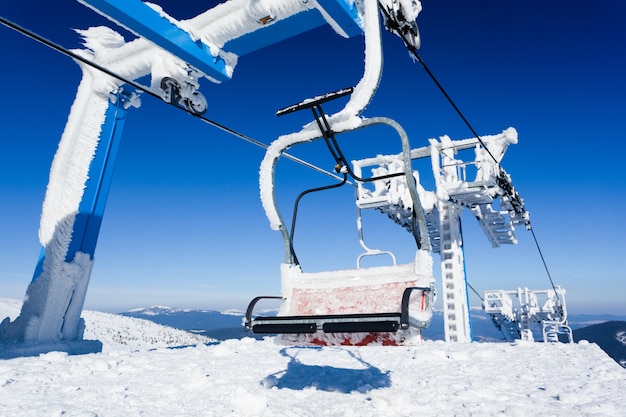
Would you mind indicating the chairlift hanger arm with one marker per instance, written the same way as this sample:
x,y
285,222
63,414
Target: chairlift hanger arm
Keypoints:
x,y
418,229
315,104
295,212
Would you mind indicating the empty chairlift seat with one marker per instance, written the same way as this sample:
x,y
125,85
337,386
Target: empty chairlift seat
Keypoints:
x,y
386,304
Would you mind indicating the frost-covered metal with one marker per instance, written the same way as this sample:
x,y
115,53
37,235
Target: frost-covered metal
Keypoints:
x,y
175,54
467,175
518,313
363,293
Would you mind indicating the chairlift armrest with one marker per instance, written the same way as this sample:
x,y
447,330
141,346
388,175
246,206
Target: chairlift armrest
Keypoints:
x,y
406,296
249,310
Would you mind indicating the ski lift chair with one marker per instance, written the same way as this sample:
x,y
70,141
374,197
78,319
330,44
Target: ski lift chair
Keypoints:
x,y
377,305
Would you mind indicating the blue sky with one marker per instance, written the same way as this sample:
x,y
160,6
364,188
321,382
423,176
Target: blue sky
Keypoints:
x,y
184,224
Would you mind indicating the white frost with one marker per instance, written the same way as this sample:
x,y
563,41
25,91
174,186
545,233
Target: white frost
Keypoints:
x,y
346,119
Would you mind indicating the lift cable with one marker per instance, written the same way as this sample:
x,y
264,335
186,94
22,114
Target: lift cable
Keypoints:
x,y
475,292
423,64
545,265
140,87
394,27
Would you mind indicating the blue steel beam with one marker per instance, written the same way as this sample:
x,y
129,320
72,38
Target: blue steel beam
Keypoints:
x,y
91,208
148,23
345,15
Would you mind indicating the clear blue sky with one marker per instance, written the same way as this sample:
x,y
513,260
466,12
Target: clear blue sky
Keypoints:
x,y
184,225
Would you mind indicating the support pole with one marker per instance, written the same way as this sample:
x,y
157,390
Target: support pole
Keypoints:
x,y
456,316
80,179
91,209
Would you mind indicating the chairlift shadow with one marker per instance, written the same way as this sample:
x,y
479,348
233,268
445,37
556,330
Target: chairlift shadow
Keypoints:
x,y
299,376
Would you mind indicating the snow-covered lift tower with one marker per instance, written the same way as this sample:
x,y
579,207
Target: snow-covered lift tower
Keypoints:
x,y
479,184
175,54
516,319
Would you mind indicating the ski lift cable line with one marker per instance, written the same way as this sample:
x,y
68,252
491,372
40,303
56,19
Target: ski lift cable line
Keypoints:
x,y
393,26
413,50
58,48
432,76
475,292
545,265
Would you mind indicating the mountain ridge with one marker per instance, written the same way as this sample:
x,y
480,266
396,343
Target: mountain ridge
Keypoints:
x,y
223,326
610,336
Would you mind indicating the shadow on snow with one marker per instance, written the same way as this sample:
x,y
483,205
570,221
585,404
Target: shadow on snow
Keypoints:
x,y
299,376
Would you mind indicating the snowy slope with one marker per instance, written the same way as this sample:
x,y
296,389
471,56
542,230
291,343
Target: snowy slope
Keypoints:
x,y
604,330
261,378
610,336
115,331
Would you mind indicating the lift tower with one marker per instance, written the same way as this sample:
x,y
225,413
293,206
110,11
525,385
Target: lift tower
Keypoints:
x,y
175,54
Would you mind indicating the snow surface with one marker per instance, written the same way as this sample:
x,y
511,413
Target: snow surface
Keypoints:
x,y
118,332
261,378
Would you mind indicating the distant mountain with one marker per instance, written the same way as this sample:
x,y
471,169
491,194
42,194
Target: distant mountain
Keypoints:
x,y
171,327
610,336
210,323
229,325
483,329
578,321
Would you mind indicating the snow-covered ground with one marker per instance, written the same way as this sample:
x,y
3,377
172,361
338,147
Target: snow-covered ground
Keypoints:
x,y
137,374
119,333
